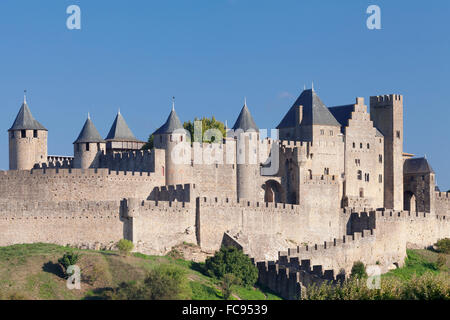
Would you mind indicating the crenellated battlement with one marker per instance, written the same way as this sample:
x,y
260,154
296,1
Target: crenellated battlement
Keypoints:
x,y
386,98
243,203
64,172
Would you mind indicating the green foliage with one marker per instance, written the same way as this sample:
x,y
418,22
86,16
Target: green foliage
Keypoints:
x,y
228,282
359,270
415,263
443,245
426,287
165,282
68,259
207,124
233,261
149,144
441,262
125,246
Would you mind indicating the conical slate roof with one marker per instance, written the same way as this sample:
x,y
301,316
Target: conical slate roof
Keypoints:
x,y
245,121
25,120
314,112
120,131
172,123
89,133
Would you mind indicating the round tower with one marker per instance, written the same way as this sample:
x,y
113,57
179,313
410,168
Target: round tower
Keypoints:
x,y
88,147
27,141
171,137
247,155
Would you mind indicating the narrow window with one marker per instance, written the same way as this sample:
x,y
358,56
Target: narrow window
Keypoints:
x,y
326,171
163,171
361,193
171,139
87,146
354,145
331,132
181,138
24,133
35,133
398,134
380,178
368,146
359,175
380,158
360,145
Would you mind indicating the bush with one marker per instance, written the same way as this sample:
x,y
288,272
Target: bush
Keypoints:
x,y
441,262
359,270
125,246
233,261
228,281
426,287
165,282
68,259
443,245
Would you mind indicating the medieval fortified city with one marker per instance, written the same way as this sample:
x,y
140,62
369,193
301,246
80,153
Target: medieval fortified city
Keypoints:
x,y
224,158
335,187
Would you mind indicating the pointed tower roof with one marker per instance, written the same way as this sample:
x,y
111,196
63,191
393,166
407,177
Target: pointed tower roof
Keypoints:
x,y
120,131
172,123
89,133
245,120
314,112
25,120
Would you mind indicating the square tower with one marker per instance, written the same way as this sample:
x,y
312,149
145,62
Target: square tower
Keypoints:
x,y
386,112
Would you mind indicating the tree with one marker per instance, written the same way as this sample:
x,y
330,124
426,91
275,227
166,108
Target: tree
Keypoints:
x,y
189,126
229,280
149,144
67,260
165,282
443,245
358,270
207,124
233,261
125,246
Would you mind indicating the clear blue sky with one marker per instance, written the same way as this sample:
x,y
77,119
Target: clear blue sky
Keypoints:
x,y
209,54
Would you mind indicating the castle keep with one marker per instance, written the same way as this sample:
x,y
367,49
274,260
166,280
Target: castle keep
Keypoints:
x,y
333,188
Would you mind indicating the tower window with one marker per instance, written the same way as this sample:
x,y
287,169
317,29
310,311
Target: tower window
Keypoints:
x,y
326,171
181,138
398,134
354,145
360,145
163,171
380,178
35,133
367,177
359,175
322,132
171,138
380,158
368,146
331,132
361,193
23,133
87,146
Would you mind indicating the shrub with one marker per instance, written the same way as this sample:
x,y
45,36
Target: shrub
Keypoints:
x,y
68,259
358,270
228,281
233,261
125,246
165,282
441,262
426,287
443,245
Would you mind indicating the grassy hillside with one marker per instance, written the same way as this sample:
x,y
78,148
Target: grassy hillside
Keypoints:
x,y
31,271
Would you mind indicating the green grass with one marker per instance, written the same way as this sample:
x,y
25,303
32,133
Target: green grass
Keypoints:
x,y
31,271
417,262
